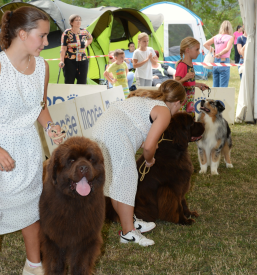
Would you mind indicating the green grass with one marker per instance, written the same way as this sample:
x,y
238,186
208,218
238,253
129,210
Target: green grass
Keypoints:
x,y
223,239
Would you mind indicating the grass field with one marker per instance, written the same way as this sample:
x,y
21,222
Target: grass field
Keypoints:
x,y
223,239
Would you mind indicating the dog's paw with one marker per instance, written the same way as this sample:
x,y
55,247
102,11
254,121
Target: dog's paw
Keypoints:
x,y
229,165
194,214
214,172
202,171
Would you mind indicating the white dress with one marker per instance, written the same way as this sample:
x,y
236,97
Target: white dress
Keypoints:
x,y
119,132
20,105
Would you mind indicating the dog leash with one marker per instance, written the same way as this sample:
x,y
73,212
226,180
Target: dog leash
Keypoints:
x,y
209,92
147,169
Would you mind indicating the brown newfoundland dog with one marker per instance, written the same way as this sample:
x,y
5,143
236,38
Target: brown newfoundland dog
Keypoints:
x,y
161,194
72,207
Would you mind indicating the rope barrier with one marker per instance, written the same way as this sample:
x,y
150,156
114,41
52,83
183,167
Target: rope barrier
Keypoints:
x,y
172,62
145,171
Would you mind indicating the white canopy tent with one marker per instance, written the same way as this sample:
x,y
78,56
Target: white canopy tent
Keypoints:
x,y
247,99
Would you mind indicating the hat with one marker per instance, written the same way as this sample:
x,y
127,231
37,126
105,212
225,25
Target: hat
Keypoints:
x,y
73,16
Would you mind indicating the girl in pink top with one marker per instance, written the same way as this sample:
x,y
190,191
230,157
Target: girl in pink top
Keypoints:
x,y
223,43
237,33
185,74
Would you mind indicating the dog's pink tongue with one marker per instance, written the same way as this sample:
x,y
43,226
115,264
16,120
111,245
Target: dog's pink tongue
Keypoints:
x,y
82,187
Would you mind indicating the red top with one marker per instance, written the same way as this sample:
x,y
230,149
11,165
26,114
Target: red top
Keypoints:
x,y
182,69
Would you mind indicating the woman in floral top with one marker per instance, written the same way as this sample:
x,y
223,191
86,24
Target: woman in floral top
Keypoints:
x,y
73,58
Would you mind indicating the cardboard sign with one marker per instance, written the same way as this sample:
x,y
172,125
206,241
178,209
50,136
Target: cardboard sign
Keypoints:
x,y
225,95
111,95
65,113
89,109
58,93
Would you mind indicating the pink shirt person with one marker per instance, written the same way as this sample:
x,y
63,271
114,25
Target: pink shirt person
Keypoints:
x,y
236,35
220,42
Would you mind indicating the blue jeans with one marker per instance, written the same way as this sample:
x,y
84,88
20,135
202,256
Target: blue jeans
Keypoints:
x,y
221,74
241,61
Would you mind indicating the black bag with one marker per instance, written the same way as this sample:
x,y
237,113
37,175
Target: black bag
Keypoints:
x,y
133,88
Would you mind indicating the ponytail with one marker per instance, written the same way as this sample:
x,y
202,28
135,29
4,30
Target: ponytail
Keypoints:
x,y
5,36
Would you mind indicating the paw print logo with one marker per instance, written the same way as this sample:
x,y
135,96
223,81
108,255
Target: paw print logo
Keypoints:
x,y
107,104
69,97
198,103
118,99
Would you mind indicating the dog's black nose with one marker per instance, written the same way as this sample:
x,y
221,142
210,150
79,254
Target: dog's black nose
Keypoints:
x,y
83,168
202,102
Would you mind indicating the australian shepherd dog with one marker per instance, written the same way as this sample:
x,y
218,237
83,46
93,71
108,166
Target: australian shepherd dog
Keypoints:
x,y
216,140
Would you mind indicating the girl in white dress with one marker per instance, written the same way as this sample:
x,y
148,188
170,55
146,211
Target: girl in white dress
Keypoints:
x,y
120,131
142,59
23,91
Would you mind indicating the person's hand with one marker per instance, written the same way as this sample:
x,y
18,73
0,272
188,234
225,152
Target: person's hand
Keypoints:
x,y
54,132
6,162
113,80
151,163
155,77
61,64
127,60
190,75
218,55
203,86
150,56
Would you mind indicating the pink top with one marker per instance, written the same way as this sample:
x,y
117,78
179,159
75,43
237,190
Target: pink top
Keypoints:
x,y
220,42
237,34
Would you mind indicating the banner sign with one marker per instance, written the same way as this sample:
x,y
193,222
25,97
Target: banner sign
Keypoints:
x,y
79,113
58,93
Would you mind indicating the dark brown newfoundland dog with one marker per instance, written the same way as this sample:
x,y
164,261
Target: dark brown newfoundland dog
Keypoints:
x,y
72,207
161,194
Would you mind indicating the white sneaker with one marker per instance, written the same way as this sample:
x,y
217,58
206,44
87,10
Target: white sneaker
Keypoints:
x,y
27,270
143,226
135,236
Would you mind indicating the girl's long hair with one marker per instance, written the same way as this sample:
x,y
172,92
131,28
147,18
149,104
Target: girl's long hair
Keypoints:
x,y
226,28
170,91
188,42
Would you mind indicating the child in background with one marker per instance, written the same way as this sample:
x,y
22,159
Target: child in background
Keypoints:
x,y
143,58
185,74
130,75
117,72
24,79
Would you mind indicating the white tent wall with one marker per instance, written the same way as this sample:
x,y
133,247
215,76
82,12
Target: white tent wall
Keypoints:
x,y
247,102
176,14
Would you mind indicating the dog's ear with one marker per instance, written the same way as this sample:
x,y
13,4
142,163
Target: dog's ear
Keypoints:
x,y
220,106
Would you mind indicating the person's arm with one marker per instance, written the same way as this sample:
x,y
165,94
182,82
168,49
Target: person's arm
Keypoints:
x,y
62,56
108,76
229,46
137,64
161,116
208,43
64,41
243,51
181,73
89,41
44,116
201,86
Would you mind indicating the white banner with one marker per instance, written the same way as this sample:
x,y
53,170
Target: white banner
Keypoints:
x,y
58,93
225,95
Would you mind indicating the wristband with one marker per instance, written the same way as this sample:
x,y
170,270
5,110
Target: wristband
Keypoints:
x,y
48,125
149,163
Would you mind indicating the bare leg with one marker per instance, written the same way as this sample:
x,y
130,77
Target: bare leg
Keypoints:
x,y
125,213
32,243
